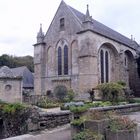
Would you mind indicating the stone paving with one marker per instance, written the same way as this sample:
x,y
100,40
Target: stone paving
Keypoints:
x,y
60,133
136,117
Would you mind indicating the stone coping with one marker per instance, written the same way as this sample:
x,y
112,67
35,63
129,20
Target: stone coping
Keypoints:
x,y
108,108
54,113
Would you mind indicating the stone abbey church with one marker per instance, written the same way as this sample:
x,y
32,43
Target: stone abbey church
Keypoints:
x,y
79,52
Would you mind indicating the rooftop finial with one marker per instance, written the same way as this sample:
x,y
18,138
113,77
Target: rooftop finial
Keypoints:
x,y
132,37
40,27
87,12
88,18
40,34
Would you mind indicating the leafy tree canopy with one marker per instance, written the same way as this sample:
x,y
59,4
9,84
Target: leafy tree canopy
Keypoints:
x,y
14,61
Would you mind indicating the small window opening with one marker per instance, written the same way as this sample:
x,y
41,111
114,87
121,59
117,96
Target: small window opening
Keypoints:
x,y
62,24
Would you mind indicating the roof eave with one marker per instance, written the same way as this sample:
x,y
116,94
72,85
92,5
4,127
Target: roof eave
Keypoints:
x,y
83,31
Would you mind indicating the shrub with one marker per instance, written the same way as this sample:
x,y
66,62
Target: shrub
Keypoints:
x,y
78,122
78,109
87,135
45,103
121,123
12,108
134,100
110,91
91,94
96,115
70,95
122,83
60,92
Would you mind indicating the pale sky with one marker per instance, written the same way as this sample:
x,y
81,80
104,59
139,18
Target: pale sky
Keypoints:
x,y
20,20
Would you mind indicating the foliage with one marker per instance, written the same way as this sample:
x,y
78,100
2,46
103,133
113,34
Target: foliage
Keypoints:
x,y
14,61
134,100
87,135
66,106
2,102
70,96
100,115
45,103
96,115
91,93
60,92
110,91
78,109
121,123
121,83
78,122
12,108
88,105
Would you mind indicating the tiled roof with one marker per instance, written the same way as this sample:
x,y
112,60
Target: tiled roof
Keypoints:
x,y
101,29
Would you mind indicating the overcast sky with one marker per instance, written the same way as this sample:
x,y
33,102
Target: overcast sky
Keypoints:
x,y
20,20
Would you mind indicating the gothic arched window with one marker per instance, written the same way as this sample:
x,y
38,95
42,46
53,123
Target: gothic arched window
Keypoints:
x,y
59,61
104,66
65,60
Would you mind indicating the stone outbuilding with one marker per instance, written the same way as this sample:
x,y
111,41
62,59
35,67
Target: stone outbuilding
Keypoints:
x,y
27,78
10,86
79,52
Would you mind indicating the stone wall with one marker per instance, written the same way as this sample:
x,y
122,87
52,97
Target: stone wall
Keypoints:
x,y
30,119
40,120
33,99
13,124
51,120
122,109
11,89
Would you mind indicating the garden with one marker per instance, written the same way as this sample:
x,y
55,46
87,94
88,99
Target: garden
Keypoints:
x,y
91,119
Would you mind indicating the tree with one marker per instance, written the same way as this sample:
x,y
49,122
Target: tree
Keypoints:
x,y
14,61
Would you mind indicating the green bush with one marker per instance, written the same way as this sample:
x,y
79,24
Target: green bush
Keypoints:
x,y
78,122
134,100
121,123
121,83
99,104
12,108
87,135
110,91
70,95
78,109
45,103
91,94
60,92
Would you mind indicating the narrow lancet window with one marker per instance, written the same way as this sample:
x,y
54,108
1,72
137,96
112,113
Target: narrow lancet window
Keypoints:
x,y
59,61
66,60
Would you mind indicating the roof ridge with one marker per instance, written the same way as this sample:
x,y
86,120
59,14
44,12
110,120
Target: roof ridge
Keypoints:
x,y
19,67
106,31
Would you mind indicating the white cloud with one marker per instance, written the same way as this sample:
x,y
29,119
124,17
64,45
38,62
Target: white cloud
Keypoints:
x,y
20,20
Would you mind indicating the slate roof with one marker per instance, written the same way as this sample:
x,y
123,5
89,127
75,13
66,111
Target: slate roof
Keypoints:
x,y
18,71
101,29
27,76
5,72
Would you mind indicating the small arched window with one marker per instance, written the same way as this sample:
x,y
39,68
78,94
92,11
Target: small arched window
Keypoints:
x,y
65,60
59,61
